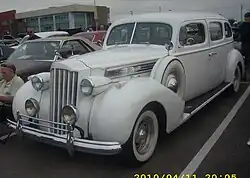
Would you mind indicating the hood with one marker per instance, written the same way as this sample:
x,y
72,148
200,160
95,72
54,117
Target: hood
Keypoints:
x,y
30,66
115,56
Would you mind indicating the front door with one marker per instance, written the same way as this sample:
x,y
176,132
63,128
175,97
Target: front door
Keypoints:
x,y
193,51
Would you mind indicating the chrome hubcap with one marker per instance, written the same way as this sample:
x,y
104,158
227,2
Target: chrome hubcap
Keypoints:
x,y
144,135
236,80
172,83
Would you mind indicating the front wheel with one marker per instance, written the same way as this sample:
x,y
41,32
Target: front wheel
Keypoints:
x,y
143,139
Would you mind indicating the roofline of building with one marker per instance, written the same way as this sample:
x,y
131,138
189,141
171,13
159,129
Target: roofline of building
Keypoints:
x,y
57,10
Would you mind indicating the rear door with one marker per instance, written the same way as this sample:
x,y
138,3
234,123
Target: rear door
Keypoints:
x,y
193,51
220,46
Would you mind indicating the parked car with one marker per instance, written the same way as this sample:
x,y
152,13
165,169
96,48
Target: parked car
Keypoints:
x,y
9,40
154,72
5,52
43,35
36,56
96,37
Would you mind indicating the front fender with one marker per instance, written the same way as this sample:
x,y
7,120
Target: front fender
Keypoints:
x,y
234,58
115,112
24,93
160,67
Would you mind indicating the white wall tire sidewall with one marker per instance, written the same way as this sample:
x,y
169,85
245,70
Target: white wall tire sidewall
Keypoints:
x,y
146,156
176,67
236,86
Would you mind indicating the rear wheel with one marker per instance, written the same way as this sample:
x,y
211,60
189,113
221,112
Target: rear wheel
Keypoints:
x,y
143,139
237,79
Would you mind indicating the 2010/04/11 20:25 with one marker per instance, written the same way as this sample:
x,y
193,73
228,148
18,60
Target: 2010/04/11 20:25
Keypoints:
x,y
184,176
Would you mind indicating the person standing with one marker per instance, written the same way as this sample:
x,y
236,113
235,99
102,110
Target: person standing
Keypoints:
x,y
245,38
31,34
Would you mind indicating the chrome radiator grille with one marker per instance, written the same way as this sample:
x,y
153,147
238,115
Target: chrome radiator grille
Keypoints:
x,y
63,92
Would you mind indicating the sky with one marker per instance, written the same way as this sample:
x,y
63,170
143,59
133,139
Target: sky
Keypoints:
x,y
121,8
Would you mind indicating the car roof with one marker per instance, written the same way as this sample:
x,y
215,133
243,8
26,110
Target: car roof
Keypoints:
x,y
59,38
47,34
170,17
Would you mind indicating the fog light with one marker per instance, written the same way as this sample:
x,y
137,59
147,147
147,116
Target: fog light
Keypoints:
x,y
69,114
31,107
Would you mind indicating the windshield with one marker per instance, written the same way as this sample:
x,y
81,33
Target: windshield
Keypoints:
x,y
145,33
40,50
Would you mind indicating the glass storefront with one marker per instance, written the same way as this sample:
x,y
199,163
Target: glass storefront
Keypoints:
x,y
62,21
32,22
80,20
46,23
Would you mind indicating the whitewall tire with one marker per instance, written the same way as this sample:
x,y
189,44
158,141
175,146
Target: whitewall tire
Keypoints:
x,y
237,80
143,139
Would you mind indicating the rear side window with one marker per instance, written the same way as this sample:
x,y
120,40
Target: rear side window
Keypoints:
x,y
216,31
228,30
192,34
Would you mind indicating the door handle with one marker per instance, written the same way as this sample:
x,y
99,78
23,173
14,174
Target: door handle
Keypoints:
x,y
212,54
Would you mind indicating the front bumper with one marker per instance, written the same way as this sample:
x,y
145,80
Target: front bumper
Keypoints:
x,y
67,141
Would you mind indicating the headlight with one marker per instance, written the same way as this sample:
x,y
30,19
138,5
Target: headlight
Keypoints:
x,y
31,107
87,87
69,114
37,83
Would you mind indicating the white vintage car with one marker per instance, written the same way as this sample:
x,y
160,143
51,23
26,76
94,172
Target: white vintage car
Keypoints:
x,y
154,72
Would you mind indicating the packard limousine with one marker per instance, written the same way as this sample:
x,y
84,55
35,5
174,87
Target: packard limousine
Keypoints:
x,y
154,72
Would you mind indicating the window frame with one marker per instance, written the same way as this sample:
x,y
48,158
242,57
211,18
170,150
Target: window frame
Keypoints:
x,y
222,30
185,23
228,37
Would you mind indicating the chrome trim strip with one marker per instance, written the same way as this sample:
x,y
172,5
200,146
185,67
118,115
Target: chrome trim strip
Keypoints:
x,y
133,33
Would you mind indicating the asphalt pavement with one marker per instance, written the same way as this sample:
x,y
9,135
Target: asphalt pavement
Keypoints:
x,y
31,159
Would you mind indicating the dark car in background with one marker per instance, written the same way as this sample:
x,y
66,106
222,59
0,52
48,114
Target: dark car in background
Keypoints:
x,y
36,56
93,36
5,52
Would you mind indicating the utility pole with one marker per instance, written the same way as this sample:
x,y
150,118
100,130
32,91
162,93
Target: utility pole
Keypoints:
x,y
241,12
159,8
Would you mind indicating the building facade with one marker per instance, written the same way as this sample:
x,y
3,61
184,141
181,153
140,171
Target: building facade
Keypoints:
x,y
7,22
65,17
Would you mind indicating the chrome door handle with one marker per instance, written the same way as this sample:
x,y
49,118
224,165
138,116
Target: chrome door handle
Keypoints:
x,y
212,54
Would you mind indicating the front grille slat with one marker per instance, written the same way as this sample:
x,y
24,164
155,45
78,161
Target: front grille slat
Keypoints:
x,y
64,92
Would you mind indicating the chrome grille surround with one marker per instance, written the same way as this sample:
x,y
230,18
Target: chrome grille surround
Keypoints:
x,y
63,92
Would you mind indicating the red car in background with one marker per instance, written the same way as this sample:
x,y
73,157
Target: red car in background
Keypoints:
x,y
93,36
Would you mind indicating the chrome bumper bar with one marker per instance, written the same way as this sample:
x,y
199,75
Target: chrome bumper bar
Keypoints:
x,y
67,141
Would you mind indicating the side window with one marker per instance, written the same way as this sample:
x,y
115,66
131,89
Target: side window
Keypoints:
x,y
228,30
192,34
78,48
216,31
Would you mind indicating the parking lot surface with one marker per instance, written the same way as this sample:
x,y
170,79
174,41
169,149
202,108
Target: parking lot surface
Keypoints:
x,y
230,154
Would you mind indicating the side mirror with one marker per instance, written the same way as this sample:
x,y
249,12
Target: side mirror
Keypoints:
x,y
169,46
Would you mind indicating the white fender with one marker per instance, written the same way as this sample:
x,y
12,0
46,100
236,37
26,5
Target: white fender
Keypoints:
x,y
27,91
114,113
233,59
160,67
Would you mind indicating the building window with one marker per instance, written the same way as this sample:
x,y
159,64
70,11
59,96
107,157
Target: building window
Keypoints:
x,y
62,21
46,23
80,20
32,22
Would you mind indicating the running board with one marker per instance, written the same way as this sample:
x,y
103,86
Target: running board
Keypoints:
x,y
196,104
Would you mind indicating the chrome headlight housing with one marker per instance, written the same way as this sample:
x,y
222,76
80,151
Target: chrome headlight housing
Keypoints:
x,y
37,83
32,107
87,87
69,114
